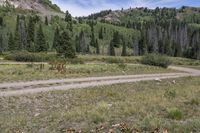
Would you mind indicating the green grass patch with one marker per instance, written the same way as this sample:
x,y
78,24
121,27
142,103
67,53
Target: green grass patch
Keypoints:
x,y
174,113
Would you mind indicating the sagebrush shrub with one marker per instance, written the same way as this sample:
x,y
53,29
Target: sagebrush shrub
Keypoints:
x,y
156,60
25,56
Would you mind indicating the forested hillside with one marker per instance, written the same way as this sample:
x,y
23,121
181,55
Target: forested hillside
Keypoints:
x,y
25,30
174,32
170,31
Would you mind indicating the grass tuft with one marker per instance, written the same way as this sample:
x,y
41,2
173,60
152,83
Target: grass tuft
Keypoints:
x,y
174,113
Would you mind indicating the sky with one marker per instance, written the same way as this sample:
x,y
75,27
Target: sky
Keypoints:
x,y
86,7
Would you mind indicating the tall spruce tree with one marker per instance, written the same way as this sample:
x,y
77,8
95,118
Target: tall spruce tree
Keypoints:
x,y
101,33
111,48
41,44
124,51
198,51
11,43
31,30
17,41
1,21
77,43
1,44
66,46
160,47
68,17
56,39
92,41
82,43
167,49
178,50
18,44
116,39
97,47
143,43
46,21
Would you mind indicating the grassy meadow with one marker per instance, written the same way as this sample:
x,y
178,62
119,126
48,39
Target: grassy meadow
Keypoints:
x,y
33,72
171,105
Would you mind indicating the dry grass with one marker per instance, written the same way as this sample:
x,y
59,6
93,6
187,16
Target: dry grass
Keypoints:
x,y
33,72
137,59
143,106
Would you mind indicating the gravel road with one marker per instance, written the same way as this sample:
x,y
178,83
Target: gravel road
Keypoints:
x,y
32,87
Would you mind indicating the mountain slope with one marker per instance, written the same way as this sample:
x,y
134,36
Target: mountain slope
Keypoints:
x,y
44,7
145,14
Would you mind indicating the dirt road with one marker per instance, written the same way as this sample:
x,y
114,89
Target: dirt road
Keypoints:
x,y
23,88
21,63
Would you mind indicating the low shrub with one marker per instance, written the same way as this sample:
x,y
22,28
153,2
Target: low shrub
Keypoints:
x,y
156,60
114,60
75,61
170,93
122,66
175,113
24,56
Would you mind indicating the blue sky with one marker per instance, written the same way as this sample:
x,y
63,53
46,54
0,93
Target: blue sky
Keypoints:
x,y
86,7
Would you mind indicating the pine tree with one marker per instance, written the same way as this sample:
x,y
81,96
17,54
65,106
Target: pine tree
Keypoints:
x,y
101,33
56,39
88,49
178,50
77,43
18,44
66,45
31,47
31,30
68,17
198,46
17,23
97,47
116,39
84,48
41,45
124,51
1,44
198,51
70,26
111,49
143,44
160,47
17,41
167,49
1,21
92,41
46,21
11,43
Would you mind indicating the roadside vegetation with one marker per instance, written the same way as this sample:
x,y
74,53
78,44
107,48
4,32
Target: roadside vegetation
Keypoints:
x,y
156,60
25,56
171,105
43,71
